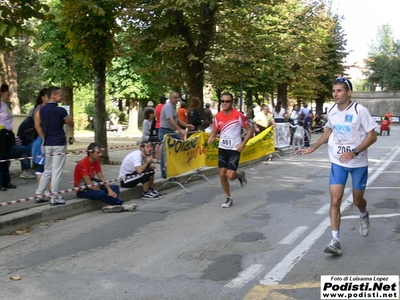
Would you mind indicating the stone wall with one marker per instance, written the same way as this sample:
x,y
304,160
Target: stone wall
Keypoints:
x,y
379,103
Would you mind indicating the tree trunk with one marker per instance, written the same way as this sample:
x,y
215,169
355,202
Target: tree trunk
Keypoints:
x,y
10,74
4,67
195,80
282,94
69,100
100,117
218,92
197,47
249,105
319,104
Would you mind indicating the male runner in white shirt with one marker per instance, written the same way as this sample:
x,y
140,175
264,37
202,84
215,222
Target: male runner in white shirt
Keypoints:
x,y
350,131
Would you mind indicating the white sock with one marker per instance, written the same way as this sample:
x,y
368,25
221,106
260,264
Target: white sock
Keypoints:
x,y
335,234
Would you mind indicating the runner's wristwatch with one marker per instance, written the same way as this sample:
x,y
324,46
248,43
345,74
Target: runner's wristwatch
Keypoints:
x,y
355,151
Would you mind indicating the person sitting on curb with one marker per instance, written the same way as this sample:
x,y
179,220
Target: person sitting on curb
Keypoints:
x,y
84,175
138,167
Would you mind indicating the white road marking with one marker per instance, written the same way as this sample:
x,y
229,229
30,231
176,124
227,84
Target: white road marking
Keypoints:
x,y
281,269
382,187
372,216
324,209
291,237
245,276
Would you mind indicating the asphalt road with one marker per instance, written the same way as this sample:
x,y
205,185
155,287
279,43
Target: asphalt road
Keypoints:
x,y
185,246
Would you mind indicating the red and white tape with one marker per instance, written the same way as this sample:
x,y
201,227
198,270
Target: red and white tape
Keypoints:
x,y
67,153
75,189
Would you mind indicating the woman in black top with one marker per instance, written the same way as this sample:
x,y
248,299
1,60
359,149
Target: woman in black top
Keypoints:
x,y
194,113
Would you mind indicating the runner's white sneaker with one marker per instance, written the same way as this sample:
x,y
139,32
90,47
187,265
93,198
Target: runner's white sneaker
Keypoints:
x,y
228,203
333,247
365,227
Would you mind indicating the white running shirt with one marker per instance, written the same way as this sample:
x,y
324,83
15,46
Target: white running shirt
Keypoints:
x,y
349,129
130,162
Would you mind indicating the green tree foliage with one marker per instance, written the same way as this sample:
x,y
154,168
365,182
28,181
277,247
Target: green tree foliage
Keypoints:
x,y
331,43
14,24
20,70
135,89
148,47
60,67
177,36
296,47
29,71
83,105
13,17
126,82
265,44
90,28
384,60
59,64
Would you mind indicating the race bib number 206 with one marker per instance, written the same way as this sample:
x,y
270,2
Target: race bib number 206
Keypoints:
x,y
343,149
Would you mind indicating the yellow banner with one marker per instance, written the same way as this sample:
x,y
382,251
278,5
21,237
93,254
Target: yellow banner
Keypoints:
x,y
258,146
184,155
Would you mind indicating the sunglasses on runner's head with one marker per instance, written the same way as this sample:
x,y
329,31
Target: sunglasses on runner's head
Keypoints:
x,y
344,80
226,101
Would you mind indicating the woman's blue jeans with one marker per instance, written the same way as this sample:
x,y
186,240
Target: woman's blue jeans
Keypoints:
x,y
18,151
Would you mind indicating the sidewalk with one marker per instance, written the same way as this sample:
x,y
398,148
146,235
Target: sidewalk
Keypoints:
x,y
27,213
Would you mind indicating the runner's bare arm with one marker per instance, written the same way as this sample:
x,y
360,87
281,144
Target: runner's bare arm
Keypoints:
x,y
322,140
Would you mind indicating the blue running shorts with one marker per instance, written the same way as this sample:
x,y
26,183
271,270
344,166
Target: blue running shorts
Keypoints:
x,y
359,176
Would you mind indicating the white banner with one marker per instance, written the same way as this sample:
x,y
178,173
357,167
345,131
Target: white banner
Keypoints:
x,y
282,135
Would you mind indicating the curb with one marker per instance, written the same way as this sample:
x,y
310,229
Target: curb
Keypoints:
x,y
19,220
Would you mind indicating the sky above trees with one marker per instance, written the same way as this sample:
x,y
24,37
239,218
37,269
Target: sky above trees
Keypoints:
x,y
361,21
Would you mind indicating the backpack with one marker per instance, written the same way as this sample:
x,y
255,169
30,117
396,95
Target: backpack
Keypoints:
x,y
27,131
